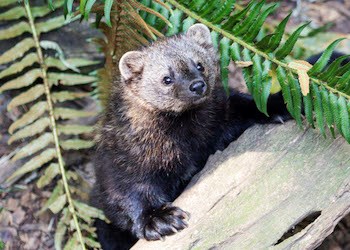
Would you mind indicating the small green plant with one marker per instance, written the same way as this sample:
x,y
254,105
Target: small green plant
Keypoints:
x,y
46,124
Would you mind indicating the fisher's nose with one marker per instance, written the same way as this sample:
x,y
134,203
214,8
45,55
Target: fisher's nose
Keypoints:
x,y
198,87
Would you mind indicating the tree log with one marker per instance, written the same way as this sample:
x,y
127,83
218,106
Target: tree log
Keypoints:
x,y
253,193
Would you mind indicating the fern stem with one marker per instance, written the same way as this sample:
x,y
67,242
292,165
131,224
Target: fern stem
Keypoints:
x,y
53,121
248,46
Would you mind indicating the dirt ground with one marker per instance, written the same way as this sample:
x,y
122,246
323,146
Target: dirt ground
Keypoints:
x,y
23,228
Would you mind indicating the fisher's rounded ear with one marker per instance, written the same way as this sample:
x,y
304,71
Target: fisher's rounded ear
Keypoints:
x,y
200,33
131,63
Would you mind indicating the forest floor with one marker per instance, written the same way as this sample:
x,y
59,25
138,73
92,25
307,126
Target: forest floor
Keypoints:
x,y
21,227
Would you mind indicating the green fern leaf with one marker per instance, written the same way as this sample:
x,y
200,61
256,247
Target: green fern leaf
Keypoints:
x,y
27,96
71,129
236,18
22,81
224,61
27,61
67,113
342,70
87,211
235,52
18,12
51,24
61,229
308,108
223,11
332,68
286,92
36,111
58,204
188,22
76,144
50,173
270,42
323,61
289,44
327,110
344,82
70,79
247,23
82,6
296,96
257,79
68,8
107,11
92,243
14,30
318,108
4,3
175,19
35,128
56,193
344,117
265,87
73,243
62,96
76,62
255,29
247,72
34,163
88,7
17,51
34,146
333,102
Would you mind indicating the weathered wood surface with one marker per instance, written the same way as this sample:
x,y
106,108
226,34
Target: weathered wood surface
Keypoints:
x,y
268,180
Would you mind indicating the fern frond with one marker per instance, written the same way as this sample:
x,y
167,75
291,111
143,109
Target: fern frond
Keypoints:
x,y
33,76
236,34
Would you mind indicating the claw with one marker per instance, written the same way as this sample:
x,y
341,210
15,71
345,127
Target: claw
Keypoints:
x,y
174,230
187,215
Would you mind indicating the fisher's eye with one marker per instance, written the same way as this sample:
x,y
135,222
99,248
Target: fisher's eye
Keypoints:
x,y
167,80
200,67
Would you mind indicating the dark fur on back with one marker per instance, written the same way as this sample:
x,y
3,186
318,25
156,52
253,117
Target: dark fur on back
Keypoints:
x,y
155,137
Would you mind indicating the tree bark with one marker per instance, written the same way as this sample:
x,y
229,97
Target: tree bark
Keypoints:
x,y
252,194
